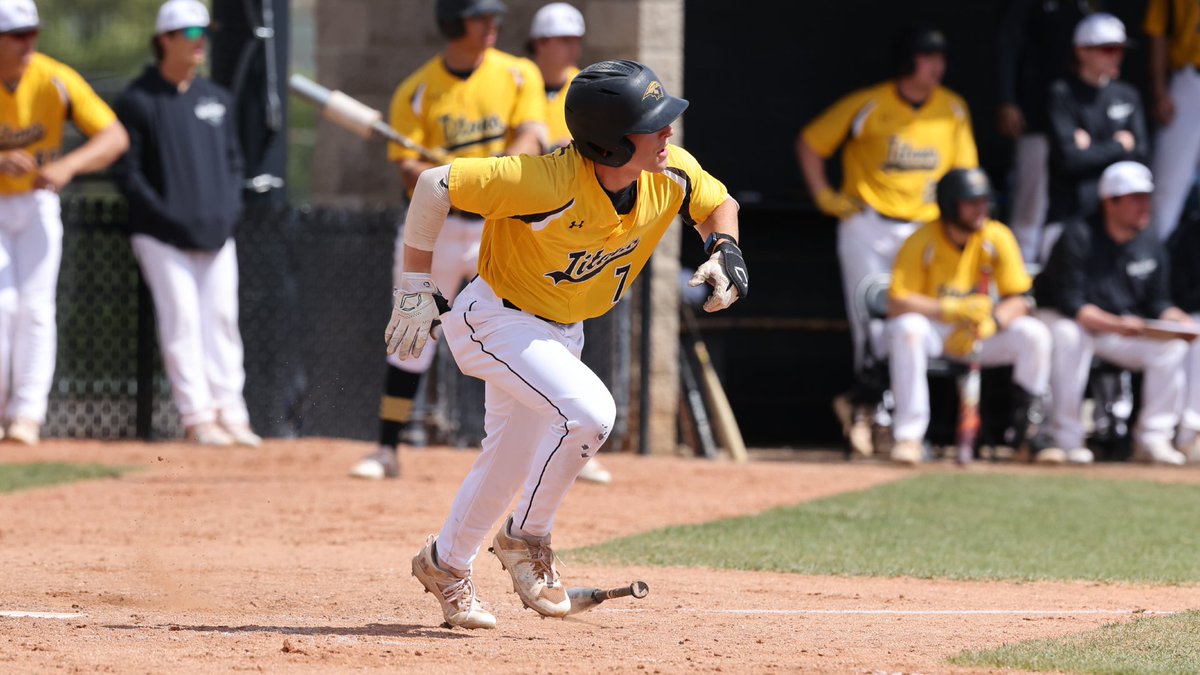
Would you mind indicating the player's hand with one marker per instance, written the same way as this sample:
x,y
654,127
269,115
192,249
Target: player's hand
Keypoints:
x,y
416,305
725,271
837,204
973,309
17,163
54,176
1010,120
1126,139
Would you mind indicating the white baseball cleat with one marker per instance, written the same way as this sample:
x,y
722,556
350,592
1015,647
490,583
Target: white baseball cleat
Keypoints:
x,y
383,463
530,563
594,472
456,595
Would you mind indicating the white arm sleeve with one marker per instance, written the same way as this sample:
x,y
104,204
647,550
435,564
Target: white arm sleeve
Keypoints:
x,y
427,212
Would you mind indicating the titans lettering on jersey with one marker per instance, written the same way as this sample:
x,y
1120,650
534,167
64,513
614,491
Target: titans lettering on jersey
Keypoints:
x,y
475,116
894,153
552,242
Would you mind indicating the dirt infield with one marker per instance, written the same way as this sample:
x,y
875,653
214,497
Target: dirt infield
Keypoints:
x,y
218,561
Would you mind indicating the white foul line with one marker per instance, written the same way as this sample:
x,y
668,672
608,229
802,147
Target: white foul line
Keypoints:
x,y
39,615
916,612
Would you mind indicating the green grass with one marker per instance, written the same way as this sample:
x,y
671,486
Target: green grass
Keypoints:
x,y
1149,645
23,476
951,526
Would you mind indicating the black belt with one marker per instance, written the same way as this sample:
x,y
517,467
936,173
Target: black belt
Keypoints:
x,y
537,316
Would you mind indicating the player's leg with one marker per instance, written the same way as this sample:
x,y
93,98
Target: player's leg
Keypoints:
x,y
913,339
537,364
1176,150
37,254
1188,438
1163,381
1025,344
217,277
1031,186
1070,363
173,284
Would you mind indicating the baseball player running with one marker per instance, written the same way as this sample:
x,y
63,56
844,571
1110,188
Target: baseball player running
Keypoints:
x,y
40,95
937,307
1174,30
900,138
470,101
565,236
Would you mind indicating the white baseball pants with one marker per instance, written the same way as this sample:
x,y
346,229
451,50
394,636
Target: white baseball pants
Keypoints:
x,y
867,244
30,254
1189,424
1025,344
1161,363
546,414
196,303
455,262
1031,192
1176,153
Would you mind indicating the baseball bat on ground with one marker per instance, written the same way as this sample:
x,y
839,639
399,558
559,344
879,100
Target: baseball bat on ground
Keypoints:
x,y
583,599
357,117
729,435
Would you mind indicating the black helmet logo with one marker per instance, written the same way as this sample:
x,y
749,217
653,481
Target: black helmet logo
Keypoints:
x,y
654,90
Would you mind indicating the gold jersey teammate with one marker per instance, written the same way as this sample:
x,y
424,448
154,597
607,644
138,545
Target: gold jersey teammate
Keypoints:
x,y
898,138
565,236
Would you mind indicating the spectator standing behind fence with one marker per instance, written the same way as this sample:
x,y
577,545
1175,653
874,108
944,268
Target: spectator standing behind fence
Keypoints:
x,y
1106,275
937,306
1034,49
555,42
471,100
40,95
1174,30
1095,120
900,137
183,179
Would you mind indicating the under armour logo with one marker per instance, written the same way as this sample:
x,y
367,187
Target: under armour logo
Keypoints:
x,y
575,224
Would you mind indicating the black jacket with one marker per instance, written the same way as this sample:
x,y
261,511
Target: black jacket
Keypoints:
x,y
1033,50
1101,112
182,174
1086,267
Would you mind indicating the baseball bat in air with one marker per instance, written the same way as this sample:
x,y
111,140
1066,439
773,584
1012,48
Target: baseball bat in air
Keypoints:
x,y
583,599
968,395
357,117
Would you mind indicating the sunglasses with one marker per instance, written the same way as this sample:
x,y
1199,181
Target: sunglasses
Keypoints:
x,y
192,33
25,34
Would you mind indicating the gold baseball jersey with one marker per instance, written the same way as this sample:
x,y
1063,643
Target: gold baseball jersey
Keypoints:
x,y
895,154
473,117
930,264
553,244
1182,17
556,112
33,115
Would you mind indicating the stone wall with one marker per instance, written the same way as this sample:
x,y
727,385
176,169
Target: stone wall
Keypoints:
x,y
366,47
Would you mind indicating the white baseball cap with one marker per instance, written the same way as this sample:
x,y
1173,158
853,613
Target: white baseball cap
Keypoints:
x,y
557,19
1125,178
1100,29
176,14
18,15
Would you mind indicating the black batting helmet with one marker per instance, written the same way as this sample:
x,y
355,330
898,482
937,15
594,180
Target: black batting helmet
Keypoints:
x,y
960,185
450,14
918,40
609,100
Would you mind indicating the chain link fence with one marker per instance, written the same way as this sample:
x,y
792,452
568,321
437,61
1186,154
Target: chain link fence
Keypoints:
x,y
315,297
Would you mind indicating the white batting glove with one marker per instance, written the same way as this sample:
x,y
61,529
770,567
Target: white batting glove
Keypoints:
x,y
415,309
725,271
